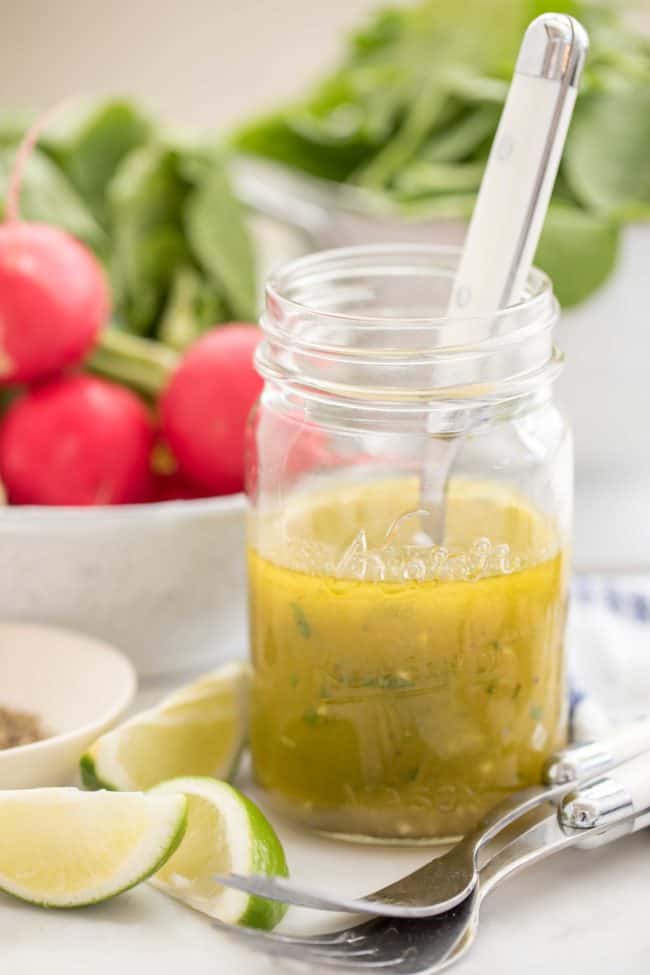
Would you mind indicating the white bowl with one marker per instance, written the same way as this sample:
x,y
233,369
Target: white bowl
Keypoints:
x,y
77,686
164,582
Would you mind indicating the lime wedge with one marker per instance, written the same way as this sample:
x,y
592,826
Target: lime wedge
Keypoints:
x,y
225,832
198,730
68,848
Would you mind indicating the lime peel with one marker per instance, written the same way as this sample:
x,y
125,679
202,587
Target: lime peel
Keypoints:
x,y
239,839
199,729
61,847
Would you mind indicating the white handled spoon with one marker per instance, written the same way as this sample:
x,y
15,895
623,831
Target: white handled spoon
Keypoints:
x,y
511,206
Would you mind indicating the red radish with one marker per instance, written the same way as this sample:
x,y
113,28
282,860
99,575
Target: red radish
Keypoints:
x,y
169,483
78,440
177,487
54,298
286,447
205,406
53,301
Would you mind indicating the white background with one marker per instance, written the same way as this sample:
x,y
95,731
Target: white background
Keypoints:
x,y
205,62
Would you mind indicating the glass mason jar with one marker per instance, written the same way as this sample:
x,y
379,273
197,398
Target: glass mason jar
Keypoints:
x,y
410,483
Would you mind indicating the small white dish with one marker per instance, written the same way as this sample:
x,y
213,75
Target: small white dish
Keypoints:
x,y
76,685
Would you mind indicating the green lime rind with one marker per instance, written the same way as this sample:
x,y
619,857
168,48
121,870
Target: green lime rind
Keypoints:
x,y
269,860
172,846
108,762
266,854
89,776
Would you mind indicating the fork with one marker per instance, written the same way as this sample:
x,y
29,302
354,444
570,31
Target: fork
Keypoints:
x,y
616,806
445,881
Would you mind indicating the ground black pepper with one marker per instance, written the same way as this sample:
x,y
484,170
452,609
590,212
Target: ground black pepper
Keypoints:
x,y
19,728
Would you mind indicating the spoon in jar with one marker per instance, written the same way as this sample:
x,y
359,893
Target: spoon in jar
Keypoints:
x,y
446,881
509,213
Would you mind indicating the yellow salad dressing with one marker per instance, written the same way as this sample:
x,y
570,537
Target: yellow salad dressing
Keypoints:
x,y
401,689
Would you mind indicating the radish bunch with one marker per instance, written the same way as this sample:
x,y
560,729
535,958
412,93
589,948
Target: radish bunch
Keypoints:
x,y
69,438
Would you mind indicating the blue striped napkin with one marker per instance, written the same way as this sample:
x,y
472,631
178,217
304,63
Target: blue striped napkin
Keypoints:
x,y
609,652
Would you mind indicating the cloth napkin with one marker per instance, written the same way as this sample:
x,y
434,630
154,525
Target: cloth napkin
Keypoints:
x,y
609,652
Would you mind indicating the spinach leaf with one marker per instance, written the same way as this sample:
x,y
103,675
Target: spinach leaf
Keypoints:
x,y
219,240
46,196
607,158
578,250
147,196
89,142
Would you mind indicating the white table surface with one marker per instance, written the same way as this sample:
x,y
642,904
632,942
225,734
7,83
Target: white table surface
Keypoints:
x,y
579,913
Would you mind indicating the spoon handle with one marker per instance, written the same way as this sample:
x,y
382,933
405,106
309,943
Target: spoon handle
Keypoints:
x,y
521,169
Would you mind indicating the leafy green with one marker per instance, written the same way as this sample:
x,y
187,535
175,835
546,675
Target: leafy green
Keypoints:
x,y
135,194
607,160
577,250
89,141
423,115
217,235
47,196
343,125
412,108
146,206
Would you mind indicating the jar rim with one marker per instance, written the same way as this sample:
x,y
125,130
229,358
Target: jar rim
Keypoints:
x,y
538,296
348,324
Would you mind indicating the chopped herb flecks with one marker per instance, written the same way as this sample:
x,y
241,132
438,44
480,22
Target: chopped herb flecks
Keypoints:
x,y
387,681
315,716
301,620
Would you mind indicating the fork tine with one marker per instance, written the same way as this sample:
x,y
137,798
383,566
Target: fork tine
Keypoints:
x,y
302,949
289,892
345,936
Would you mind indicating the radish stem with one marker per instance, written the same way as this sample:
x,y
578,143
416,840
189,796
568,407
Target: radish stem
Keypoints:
x,y
24,151
140,363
